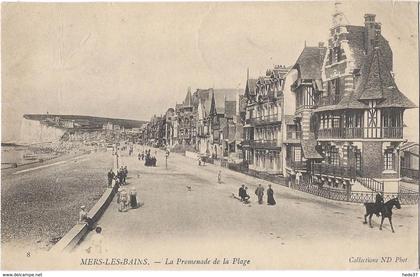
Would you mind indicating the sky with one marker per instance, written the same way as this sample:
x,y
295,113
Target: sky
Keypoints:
x,y
133,60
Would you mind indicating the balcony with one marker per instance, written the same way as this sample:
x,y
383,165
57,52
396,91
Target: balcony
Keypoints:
x,y
265,119
355,133
264,143
335,170
392,132
329,100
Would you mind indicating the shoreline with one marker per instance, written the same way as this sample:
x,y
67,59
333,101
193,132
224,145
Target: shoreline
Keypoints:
x,y
43,203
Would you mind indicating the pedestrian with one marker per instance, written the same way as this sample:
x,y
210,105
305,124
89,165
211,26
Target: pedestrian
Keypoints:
x,y
125,174
133,198
97,241
123,201
219,177
242,194
111,176
121,176
199,161
260,193
298,177
247,197
83,215
270,196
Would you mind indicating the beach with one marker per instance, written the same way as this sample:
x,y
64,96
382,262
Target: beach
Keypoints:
x,y
41,202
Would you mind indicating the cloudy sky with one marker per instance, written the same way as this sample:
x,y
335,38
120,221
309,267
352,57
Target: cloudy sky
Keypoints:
x,y
135,60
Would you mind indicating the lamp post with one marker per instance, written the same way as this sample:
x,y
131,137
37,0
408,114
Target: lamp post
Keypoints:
x,y
166,158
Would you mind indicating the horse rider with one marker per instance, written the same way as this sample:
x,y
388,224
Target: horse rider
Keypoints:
x,y
379,202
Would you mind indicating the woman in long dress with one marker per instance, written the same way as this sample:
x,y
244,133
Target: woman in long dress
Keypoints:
x,y
133,198
270,196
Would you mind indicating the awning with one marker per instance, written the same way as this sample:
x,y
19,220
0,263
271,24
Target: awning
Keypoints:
x,y
309,148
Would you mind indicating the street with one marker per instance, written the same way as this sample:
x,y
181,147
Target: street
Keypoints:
x,y
301,231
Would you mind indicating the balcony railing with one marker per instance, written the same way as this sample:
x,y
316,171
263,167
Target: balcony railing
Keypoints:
x,y
264,143
265,119
350,133
392,132
329,100
335,170
294,135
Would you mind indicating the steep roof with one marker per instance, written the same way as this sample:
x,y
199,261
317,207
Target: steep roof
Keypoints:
x,y
251,85
375,80
242,103
310,62
188,99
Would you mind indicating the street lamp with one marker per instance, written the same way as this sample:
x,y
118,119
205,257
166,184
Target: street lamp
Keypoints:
x,y
166,158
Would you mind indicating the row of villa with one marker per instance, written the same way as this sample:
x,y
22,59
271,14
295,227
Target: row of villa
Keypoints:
x,y
336,114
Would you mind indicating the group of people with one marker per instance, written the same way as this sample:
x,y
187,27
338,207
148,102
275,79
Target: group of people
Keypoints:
x,y
244,196
201,161
120,178
126,199
147,157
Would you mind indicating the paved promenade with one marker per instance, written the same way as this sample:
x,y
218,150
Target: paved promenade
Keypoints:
x,y
301,230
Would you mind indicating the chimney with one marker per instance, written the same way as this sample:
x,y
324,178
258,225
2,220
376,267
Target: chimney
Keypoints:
x,y
372,32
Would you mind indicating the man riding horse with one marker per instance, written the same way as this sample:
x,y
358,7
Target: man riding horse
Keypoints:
x,y
379,202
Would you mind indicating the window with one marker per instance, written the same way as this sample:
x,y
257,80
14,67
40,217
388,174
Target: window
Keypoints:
x,y
333,156
297,154
389,159
335,121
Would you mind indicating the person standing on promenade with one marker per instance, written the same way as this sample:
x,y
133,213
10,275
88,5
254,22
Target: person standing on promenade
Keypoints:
x,y
97,241
219,177
133,198
123,200
260,193
111,176
270,196
298,177
125,174
121,175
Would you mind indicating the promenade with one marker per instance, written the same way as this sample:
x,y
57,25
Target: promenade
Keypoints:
x,y
301,230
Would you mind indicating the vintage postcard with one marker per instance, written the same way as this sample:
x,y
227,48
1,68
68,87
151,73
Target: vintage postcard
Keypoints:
x,y
210,136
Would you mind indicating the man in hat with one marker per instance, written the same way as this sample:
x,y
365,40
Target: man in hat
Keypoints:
x,y
379,202
111,176
83,215
260,193
242,194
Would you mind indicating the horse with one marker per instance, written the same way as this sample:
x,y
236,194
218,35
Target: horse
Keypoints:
x,y
385,211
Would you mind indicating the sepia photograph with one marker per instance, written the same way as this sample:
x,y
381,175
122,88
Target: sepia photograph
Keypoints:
x,y
242,136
